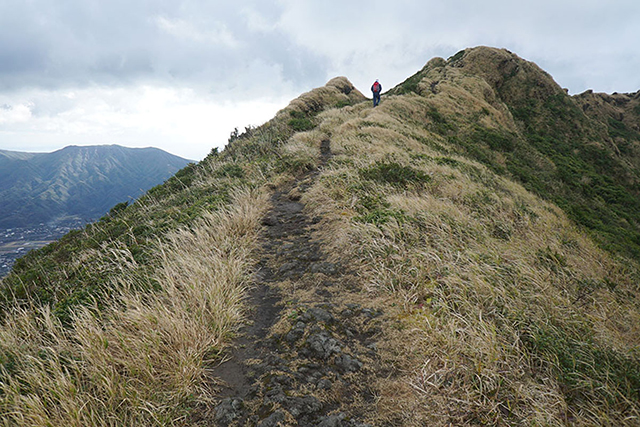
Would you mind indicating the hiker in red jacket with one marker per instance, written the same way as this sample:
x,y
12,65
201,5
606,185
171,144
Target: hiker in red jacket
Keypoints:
x,y
376,88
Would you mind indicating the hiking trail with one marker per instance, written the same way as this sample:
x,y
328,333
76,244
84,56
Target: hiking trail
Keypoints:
x,y
305,356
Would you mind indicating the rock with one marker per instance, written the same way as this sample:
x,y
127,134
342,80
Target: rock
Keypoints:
x,y
324,292
269,221
327,268
324,384
319,314
285,248
347,363
333,420
228,410
298,406
287,267
283,380
295,333
368,312
275,395
274,420
322,346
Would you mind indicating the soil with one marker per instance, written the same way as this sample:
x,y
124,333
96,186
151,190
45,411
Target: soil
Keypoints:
x,y
306,356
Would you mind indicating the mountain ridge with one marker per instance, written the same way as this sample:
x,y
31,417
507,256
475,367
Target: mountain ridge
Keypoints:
x,y
80,182
461,254
544,138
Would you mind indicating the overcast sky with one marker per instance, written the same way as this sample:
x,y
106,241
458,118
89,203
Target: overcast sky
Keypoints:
x,y
181,74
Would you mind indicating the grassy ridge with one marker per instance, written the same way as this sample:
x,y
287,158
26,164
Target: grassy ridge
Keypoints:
x,y
117,324
500,309
545,141
506,312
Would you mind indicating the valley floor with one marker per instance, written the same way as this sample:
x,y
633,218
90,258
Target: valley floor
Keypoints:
x,y
16,242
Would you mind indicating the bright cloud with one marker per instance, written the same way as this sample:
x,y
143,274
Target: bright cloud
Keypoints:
x,y
12,114
176,120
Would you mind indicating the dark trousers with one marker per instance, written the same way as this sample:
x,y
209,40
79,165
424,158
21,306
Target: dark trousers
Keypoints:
x,y
376,98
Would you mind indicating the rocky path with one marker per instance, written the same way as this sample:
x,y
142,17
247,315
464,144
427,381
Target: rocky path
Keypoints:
x,y
307,356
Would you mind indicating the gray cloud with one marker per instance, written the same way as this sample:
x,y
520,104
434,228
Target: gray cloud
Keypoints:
x,y
80,71
50,44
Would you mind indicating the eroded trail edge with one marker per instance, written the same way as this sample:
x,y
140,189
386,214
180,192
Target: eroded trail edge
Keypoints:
x,y
307,355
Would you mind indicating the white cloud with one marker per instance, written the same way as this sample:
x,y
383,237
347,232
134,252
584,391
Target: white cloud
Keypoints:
x,y
11,114
176,120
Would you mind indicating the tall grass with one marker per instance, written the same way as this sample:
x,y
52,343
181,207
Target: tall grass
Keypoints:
x,y
500,311
140,360
116,325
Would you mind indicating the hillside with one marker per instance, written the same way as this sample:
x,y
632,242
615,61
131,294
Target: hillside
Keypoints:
x,y
77,183
466,253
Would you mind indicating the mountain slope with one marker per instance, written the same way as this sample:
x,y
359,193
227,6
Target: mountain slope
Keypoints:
x,y
423,262
77,182
563,148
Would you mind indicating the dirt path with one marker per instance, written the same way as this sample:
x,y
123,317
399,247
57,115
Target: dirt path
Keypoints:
x,y
306,356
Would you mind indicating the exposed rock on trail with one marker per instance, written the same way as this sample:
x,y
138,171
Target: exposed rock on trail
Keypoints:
x,y
305,357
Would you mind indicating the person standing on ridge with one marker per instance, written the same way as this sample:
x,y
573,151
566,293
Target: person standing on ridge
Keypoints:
x,y
376,88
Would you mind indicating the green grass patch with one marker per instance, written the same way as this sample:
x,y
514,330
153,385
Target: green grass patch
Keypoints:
x,y
381,216
343,103
458,56
559,157
300,122
230,170
586,371
374,209
495,140
393,173
448,161
438,123
618,129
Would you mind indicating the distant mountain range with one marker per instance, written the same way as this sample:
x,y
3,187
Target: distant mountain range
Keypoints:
x,y
77,182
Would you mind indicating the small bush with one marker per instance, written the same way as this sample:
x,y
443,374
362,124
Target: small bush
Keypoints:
x,y
394,173
381,216
458,56
586,371
230,170
494,140
447,161
439,123
300,122
618,129
118,208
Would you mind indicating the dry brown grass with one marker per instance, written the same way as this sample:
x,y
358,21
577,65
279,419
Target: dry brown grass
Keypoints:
x,y
470,269
476,267
143,357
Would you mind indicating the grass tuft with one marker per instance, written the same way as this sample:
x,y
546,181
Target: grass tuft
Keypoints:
x,y
141,360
